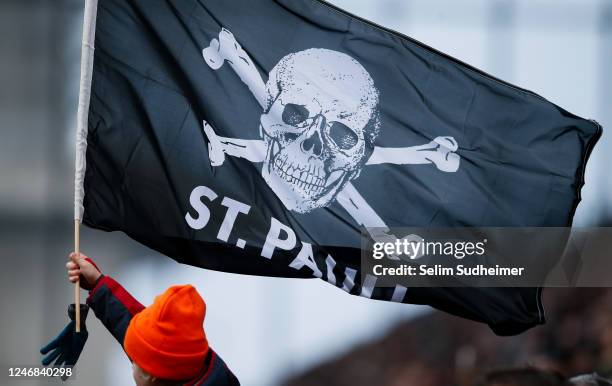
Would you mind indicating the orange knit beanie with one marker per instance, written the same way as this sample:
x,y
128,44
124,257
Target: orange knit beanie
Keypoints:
x,y
167,339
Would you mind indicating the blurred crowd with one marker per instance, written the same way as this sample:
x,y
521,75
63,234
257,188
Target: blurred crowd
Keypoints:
x,y
441,350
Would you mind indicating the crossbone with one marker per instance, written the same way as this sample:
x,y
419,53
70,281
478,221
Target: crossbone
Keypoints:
x,y
440,152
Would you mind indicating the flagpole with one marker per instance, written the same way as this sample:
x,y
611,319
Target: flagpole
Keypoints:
x,y
87,56
77,285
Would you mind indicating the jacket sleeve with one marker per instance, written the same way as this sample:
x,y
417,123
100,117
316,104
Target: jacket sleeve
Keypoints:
x,y
114,306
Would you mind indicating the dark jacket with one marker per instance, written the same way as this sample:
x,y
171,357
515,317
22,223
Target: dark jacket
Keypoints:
x,y
115,307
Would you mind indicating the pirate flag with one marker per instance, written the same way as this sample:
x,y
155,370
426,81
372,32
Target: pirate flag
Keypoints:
x,y
261,137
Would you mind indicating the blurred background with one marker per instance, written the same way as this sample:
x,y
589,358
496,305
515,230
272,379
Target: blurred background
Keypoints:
x,y
290,331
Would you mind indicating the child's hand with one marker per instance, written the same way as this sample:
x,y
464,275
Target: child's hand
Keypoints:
x,y
81,267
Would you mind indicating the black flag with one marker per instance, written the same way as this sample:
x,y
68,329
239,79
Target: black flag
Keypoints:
x,y
261,137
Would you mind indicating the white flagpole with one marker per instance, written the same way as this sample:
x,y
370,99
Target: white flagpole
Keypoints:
x,y
87,56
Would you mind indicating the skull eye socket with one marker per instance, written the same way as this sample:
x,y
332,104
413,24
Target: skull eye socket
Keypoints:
x,y
294,114
343,136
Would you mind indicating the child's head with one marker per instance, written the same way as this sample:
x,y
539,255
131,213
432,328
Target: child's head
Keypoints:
x,y
166,341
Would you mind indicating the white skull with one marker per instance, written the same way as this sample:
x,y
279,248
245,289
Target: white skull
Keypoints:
x,y
319,126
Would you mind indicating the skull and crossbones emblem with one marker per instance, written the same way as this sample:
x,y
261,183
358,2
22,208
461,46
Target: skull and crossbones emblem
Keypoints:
x,y
318,129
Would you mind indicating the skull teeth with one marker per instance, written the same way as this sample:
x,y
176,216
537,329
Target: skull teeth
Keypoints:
x,y
307,178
